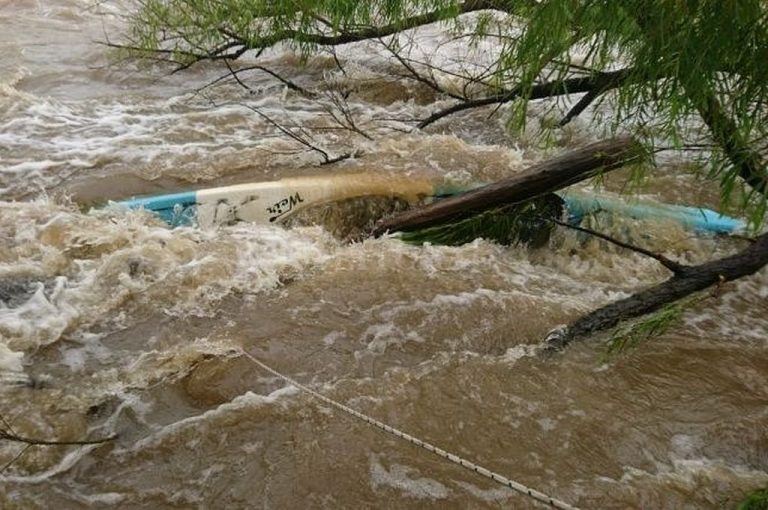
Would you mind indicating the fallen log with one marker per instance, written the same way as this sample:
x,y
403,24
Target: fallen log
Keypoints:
x,y
686,281
544,177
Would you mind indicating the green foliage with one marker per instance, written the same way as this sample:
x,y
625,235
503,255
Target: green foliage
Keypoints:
x,y
651,326
686,60
758,500
526,223
682,54
190,30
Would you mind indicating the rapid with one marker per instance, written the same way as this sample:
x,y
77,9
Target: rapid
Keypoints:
x,y
113,324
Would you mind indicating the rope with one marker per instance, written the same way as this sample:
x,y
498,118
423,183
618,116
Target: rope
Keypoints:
x,y
516,486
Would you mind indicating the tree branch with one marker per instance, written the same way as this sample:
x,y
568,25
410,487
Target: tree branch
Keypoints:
x,y
580,106
15,458
5,435
223,51
675,267
550,175
605,80
285,81
415,75
693,279
290,134
749,163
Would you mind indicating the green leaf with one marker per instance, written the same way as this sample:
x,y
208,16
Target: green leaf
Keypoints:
x,y
651,326
758,500
524,223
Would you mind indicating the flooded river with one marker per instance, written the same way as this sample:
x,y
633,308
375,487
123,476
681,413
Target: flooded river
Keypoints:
x,y
112,323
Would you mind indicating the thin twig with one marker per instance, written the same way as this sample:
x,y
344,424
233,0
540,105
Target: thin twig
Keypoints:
x,y
341,157
415,75
686,147
579,107
17,457
44,442
676,268
11,435
236,77
337,61
298,138
538,91
285,81
341,104
7,425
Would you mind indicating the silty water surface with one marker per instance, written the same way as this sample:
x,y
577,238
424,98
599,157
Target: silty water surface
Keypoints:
x,y
112,323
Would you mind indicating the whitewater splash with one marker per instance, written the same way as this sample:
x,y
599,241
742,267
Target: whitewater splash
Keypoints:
x,y
112,323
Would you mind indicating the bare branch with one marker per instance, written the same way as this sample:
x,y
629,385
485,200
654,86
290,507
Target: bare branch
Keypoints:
x,y
6,424
693,279
338,158
605,82
236,77
10,435
348,122
16,457
290,134
288,83
339,65
538,91
285,81
4,435
415,75
579,107
675,267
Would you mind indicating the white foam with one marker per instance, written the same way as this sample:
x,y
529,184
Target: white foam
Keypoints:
x,y
494,495
692,473
9,360
384,336
65,464
405,480
112,260
520,351
247,400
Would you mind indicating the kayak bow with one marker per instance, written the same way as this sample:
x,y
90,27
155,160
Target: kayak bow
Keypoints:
x,y
272,201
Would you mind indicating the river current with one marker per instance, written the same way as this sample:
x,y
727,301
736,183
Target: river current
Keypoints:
x,y
112,323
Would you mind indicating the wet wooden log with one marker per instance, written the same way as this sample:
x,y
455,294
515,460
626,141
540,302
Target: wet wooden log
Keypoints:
x,y
544,177
688,280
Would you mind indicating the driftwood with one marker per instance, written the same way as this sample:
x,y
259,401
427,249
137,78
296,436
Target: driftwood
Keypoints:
x,y
544,177
562,171
688,280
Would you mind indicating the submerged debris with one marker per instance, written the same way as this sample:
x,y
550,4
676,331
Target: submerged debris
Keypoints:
x,y
17,291
526,223
350,219
757,500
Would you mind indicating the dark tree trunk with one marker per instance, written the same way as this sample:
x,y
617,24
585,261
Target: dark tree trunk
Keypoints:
x,y
691,279
550,175
747,161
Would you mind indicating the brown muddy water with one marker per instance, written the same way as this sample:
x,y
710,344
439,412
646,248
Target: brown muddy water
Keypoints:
x,y
114,324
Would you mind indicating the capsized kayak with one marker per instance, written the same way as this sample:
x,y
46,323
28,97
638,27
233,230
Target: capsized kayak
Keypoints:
x,y
272,201
698,219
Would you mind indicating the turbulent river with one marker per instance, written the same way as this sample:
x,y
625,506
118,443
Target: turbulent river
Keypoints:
x,y
111,323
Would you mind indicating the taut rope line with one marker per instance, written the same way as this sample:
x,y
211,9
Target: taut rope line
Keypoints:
x,y
516,486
